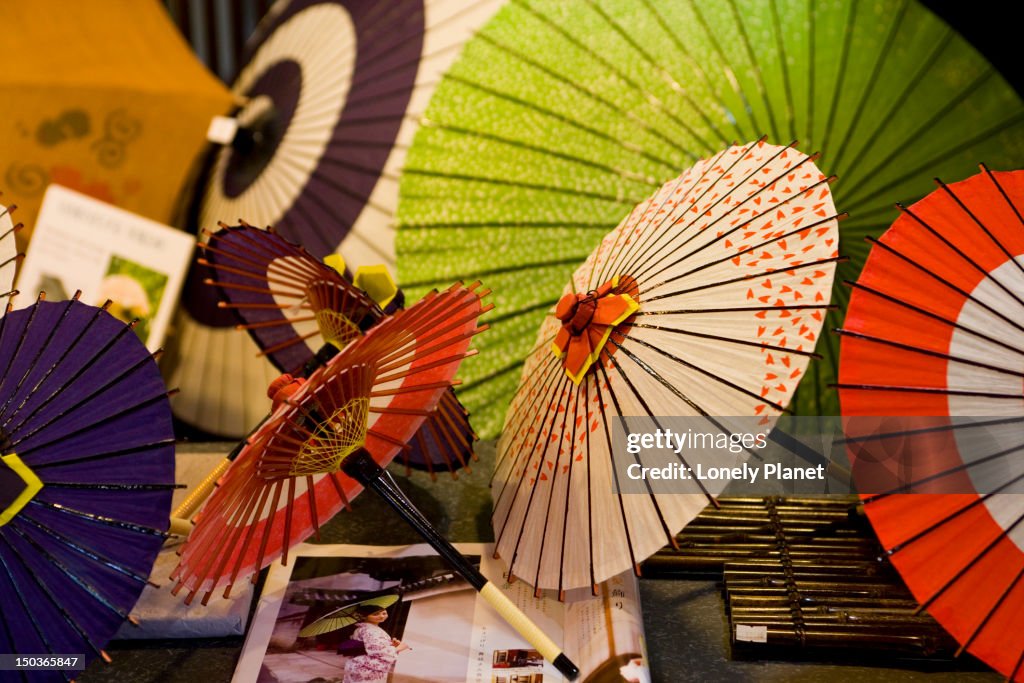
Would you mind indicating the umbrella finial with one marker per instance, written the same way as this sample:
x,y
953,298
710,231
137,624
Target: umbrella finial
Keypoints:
x,y
588,321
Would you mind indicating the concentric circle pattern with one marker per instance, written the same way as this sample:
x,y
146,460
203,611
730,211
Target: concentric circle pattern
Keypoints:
x,y
934,339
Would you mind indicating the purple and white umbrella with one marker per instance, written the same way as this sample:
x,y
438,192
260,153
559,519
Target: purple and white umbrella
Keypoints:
x,y
333,93
86,477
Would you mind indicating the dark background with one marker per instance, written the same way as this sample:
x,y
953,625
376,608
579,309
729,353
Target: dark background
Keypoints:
x,y
217,30
993,28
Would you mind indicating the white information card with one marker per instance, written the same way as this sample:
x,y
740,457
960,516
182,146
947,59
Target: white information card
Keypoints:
x,y
108,253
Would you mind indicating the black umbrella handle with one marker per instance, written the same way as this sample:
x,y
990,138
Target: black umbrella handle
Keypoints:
x,y
361,467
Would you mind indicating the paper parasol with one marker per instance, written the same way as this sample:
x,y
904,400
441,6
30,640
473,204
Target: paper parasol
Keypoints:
x,y
110,101
334,90
344,616
934,328
85,479
351,416
286,481
301,312
560,117
706,300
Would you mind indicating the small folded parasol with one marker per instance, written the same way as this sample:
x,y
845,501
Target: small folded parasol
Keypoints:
x,y
706,300
86,475
934,338
301,312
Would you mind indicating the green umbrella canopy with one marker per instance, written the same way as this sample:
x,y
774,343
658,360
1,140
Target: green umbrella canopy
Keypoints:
x,y
344,616
561,116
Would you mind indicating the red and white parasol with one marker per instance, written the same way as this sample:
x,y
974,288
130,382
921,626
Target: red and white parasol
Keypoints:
x,y
375,395
935,331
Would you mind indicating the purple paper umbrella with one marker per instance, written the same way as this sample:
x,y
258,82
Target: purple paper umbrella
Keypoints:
x,y
86,478
332,94
301,312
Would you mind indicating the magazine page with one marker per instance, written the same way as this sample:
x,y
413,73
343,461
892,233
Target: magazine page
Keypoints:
x,y
399,614
608,629
602,634
500,654
296,634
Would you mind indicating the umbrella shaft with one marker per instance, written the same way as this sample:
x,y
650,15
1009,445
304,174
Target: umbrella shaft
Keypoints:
x,y
368,473
361,467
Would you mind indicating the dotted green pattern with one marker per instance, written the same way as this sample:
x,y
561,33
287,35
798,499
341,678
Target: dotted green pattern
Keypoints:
x,y
561,115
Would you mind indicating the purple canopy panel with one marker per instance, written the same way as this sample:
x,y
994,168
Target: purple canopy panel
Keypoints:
x,y
84,411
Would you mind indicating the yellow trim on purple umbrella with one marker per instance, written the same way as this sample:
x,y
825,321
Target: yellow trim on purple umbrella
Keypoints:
x,y
32,486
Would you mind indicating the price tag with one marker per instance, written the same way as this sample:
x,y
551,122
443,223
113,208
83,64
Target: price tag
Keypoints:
x,y
751,634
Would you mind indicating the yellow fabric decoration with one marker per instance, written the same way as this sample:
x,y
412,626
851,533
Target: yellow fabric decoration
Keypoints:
x,y
377,282
336,261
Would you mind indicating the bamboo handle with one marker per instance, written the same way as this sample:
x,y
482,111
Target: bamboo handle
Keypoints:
x,y
527,629
180,527
361,466
200,493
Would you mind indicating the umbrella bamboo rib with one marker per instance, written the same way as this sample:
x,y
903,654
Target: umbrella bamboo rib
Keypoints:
x,y
961,254
561,118
87,587
875,78
698,68
639,397
844,59
938,318
960,97
932,354
587,92
539,149
742,278
85,366
749,250
656,232
988,233
730,72
50,599
943,281
759,80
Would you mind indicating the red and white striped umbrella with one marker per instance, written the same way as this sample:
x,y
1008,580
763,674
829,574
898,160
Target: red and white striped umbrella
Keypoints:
x,y
374,394
707,300
935,333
